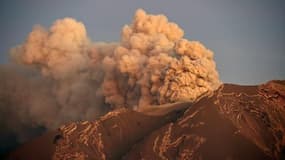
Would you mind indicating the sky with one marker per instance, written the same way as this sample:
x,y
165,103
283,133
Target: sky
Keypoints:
x,y
247,36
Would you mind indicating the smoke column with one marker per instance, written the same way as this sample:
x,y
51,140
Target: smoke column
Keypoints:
x,y
59,75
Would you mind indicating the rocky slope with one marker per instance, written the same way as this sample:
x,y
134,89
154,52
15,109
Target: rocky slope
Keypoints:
x,y
235,122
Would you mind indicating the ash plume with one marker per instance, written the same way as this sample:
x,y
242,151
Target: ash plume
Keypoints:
x,y
59,75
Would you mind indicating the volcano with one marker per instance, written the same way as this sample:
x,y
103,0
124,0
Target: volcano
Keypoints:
x,y
235,122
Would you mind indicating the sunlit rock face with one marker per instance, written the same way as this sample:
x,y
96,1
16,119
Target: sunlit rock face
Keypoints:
x,y
236,122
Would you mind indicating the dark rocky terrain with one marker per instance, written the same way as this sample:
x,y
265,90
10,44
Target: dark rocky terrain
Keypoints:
x,y
235,122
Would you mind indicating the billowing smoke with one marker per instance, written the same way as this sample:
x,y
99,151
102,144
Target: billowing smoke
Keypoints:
x,y
59,74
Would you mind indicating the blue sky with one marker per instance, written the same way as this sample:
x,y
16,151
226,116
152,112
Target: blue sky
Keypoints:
x,y
247,36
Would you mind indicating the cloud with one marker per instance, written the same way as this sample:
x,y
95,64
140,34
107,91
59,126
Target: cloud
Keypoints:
x,y
59,75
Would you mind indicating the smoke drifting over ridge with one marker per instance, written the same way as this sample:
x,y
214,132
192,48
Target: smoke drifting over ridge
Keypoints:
x,y
59,74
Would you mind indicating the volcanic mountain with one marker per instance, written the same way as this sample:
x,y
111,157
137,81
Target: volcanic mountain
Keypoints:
x,y
235,122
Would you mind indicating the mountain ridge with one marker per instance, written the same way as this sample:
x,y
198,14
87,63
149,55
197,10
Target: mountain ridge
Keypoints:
x,y
235,122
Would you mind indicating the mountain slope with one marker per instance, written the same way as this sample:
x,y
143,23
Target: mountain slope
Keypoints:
x,y
235,122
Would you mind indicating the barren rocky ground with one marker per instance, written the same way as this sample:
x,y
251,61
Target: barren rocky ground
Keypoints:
x,y
235,122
